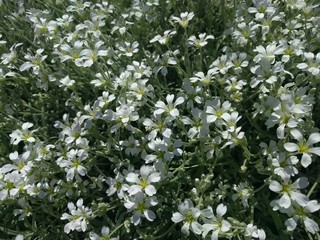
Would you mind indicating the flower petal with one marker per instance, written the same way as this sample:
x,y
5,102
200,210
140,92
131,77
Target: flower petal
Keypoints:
x,y
196,228
177,217
291,147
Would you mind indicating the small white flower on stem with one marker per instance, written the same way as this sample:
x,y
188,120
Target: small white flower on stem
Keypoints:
x,y
140,205
253,231
188,214
144,183
170,107
201,42
215,223
22,135
290,191
163,40
78,219
105,232
302,213
184,19
304,147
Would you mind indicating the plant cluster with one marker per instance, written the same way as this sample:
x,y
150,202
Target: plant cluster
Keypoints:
x,y
154,119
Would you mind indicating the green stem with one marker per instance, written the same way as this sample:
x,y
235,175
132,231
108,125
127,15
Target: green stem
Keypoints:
x,y
116,229
8,231
187,60
260,188
165,233
313,187
309,235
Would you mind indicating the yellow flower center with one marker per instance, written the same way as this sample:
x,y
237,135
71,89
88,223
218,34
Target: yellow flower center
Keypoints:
x,y
303,148
189,217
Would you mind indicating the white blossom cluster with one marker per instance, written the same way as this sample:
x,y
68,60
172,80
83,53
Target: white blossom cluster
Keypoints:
x,y
150,119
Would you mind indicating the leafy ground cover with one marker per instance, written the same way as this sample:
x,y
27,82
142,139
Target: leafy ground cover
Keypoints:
x,y
151,119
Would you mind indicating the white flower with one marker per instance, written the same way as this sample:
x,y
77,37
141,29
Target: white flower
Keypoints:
x,y
304,147
166,59
25,210
244,32
92,113
222,64
231,120
105,99
2,42
193,93
261,7
284,166
253,231
89,56
72,52
121,24
105,232
234,85
73,165
19,237
299,4
139,69
74,133
128,49
102,79
131,145
233,138
239,61
8,58
204,79
184,19
201,42
148,176
313,65
170,108
243,192
66,82
165,38
21,163
78,6
140,89
10,185
283,115
33,62
123,116
188,214
22,135
158,125
164,149
200,127
78,220
265,73
140,205
268,53
215,111
215,223
117,185
290,191
301,213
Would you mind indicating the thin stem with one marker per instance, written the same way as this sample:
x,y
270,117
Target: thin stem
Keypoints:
x,y
309,236
313,187
116,229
